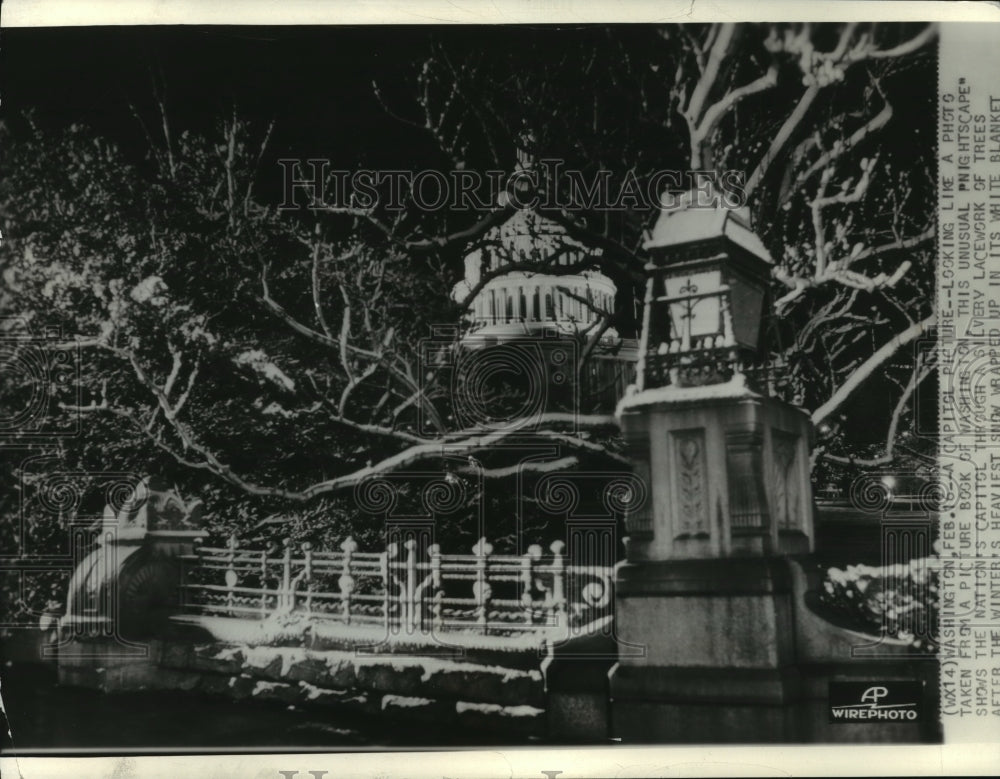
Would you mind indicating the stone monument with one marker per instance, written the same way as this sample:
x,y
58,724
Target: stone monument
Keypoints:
x,y
705,587
124,590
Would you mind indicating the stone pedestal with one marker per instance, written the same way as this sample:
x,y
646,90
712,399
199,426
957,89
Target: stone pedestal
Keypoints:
x,y
720,652
706,588
727,470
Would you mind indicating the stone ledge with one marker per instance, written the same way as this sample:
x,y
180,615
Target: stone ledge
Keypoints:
x,y
492,685
490,717
419,710
346,701
413,676
720,576
324,671
361,640
217,658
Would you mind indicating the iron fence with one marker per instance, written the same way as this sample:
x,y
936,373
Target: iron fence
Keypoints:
x,y
404,588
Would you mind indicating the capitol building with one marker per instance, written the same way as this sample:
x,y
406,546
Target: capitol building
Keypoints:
x,y
566,299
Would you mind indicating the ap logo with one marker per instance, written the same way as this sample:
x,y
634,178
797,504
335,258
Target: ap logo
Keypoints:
x,y
879,701
873,695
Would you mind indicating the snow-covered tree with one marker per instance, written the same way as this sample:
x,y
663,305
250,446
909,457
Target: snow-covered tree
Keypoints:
x,y
274,359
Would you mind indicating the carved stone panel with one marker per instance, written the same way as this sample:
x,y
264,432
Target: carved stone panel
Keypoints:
x,y
691,484
745,473
787,492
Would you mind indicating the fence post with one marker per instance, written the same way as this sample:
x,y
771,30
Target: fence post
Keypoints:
x,y
481,588
287,602
307,559
410,608
231,577
558,605
437,618
263,582
386,584
346,581
528,560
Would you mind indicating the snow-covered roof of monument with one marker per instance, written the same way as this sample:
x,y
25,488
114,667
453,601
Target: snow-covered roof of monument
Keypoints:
x,y
692,224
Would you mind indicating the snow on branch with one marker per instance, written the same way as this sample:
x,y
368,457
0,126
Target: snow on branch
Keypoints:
x,y
399,461
918,374
821,70
872,364
828,267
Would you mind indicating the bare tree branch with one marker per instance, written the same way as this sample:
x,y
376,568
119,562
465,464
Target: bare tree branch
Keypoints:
x,y
873,363
916,377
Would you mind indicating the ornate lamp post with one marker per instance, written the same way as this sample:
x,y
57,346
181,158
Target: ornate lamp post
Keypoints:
x,y
705,299
726,462
705,587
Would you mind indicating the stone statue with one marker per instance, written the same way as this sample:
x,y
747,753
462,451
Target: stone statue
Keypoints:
x,y
153,505
128,585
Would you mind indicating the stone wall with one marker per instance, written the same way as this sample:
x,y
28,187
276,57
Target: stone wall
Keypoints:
x,y
501,701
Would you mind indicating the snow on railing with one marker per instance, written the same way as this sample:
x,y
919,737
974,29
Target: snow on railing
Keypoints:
x,y
669,365
407,589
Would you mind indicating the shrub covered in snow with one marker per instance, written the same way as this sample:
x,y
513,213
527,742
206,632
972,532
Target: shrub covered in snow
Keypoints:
x,y
898,600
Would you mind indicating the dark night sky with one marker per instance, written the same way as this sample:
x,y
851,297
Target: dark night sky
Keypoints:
x,y
316,82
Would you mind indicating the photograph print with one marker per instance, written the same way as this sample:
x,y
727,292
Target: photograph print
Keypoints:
x,y
373,387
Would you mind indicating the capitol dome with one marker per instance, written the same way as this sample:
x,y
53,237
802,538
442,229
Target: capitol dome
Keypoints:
x,y
525,302
517,307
